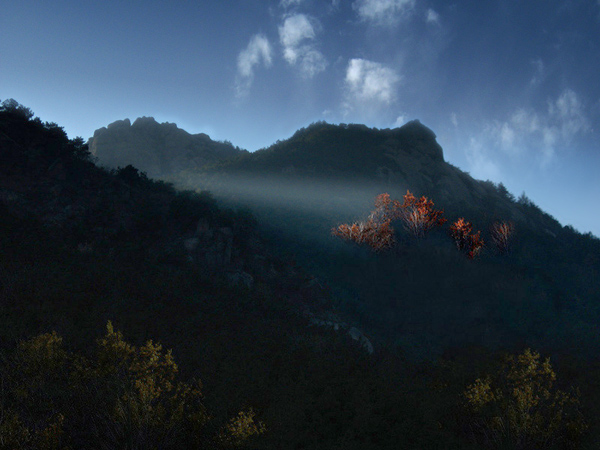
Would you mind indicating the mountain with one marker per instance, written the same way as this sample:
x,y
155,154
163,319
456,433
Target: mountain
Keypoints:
x,y
300,339
156,149
423,294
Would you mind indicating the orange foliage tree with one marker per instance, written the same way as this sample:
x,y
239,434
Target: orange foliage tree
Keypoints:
x,y
378,235
501,235
418,217
461,232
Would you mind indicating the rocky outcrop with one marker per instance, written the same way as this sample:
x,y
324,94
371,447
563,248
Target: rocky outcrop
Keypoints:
x,y
159,149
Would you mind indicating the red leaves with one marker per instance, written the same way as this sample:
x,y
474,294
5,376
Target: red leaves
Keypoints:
x,y
378,235
501,235
419,216
461,232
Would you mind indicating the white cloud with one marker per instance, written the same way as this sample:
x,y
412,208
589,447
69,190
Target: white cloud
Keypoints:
x,y
432,16
297,35
400,120
567,115
368,81
383,12
258,49
294,30
540,135
288,3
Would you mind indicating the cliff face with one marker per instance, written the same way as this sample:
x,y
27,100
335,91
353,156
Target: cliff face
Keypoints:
x,y
157,149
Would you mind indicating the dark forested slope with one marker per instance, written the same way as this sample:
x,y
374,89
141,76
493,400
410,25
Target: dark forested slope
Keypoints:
x,y
99,266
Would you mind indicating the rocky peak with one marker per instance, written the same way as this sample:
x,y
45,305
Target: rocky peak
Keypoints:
x,y
159,149
421,139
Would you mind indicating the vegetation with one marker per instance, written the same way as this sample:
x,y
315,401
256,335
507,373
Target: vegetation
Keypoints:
x,y
86,252
520,408
123,397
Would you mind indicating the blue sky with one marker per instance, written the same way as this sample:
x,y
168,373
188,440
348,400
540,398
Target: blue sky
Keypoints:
x,y
510,87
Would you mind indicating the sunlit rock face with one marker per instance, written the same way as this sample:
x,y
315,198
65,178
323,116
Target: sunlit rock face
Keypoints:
x,y
158,149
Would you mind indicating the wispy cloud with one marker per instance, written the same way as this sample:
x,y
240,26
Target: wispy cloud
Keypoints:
x,y
257,51
454,119
529,133
480,164
297,35
432,17
539,72
288,3
368,81
383,12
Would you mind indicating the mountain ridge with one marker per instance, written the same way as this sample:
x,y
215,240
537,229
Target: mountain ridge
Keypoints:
x,y
155,148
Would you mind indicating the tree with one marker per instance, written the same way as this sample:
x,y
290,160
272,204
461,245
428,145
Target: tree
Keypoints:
x,y
12,106
418,217
520,408
378,235
465,241
501,233
121,397
505,192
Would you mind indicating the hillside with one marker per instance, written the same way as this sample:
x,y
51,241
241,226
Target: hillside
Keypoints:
x,y
378,351
541,294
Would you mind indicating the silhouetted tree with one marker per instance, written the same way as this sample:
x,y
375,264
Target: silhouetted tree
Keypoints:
x,y
12,106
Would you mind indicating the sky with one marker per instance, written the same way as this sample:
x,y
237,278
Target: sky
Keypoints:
x,y
510,87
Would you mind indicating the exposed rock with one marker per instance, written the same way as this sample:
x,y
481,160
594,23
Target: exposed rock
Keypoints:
x,y
157,149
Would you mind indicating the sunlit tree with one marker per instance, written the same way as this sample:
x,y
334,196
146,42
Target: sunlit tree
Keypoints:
x,y
378,235
418,216
501,233
520,408
461,231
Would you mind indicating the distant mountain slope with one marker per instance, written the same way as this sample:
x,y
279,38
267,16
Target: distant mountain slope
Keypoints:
x,y
157,149
422,295
327,174
350,164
